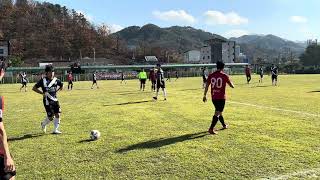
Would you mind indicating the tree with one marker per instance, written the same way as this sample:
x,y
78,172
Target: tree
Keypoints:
x,y
311,56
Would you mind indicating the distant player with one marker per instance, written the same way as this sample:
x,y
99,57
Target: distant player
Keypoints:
x,y
177,75
168,76
50,85
2,68
218,81
94,80
122,78
248,73
274,75
7,167
160,83
204,77
142,78
24,81
70,80
153,79
261,74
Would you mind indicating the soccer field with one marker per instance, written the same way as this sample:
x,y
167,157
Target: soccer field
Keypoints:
x,y
274,131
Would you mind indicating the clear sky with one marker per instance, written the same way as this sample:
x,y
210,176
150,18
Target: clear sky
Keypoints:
x,y
289,19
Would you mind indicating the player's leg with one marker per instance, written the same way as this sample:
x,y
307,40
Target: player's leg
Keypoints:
x,y
57,112
220,108
215,117
164,93
157,91
144,84
48,118
140,84
71,85
3,174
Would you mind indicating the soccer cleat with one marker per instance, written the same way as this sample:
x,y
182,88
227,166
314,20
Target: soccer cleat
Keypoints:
x,y
225,127
155,98
56,132
43,127
211,131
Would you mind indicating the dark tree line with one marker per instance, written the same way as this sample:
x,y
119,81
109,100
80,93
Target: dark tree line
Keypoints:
x,y
45,30
311,56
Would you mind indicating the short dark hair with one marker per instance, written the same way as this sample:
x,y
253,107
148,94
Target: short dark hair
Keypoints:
x,y
49,68
220,65
158,65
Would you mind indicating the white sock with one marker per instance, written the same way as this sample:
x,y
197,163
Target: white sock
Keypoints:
x,y
56,123
164,93
46,121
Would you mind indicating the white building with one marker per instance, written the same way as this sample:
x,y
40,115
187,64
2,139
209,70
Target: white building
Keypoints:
x,y
228,51
205,54
218,50
191,56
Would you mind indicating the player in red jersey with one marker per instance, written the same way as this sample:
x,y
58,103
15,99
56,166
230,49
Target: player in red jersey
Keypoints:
x,y
70,80
218,81
153,79
248,73
7,168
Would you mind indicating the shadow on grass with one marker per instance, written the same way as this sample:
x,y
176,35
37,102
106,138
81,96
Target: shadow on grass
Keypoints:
x,y
163,142
261,86
127,103
314,91
85,141
129,93
26,136
191,89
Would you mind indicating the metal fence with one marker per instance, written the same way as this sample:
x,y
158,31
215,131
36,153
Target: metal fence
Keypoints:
x,y
114,72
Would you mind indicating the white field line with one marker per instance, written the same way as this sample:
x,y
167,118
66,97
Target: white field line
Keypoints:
x,y
311,173
277,109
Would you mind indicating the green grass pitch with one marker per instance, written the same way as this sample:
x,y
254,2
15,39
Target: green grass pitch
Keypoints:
x,y
274,131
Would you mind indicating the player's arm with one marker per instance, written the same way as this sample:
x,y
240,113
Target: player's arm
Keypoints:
x,y
8,162
230,83
60,84
204,99
1,73
37,86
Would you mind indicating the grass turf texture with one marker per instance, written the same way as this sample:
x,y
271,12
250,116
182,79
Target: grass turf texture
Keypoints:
x,y
168,139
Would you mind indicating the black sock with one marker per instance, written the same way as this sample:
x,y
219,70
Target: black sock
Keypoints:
x,y
214,122
221,119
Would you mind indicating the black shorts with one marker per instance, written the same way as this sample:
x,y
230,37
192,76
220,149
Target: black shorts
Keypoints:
x,y
153,82
70,82
219,104
162,85
248,75
143,81
261,75
24,83
94,82
274,77
5,175
52,108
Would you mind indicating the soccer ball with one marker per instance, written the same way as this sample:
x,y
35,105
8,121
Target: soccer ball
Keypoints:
x,y
95,135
